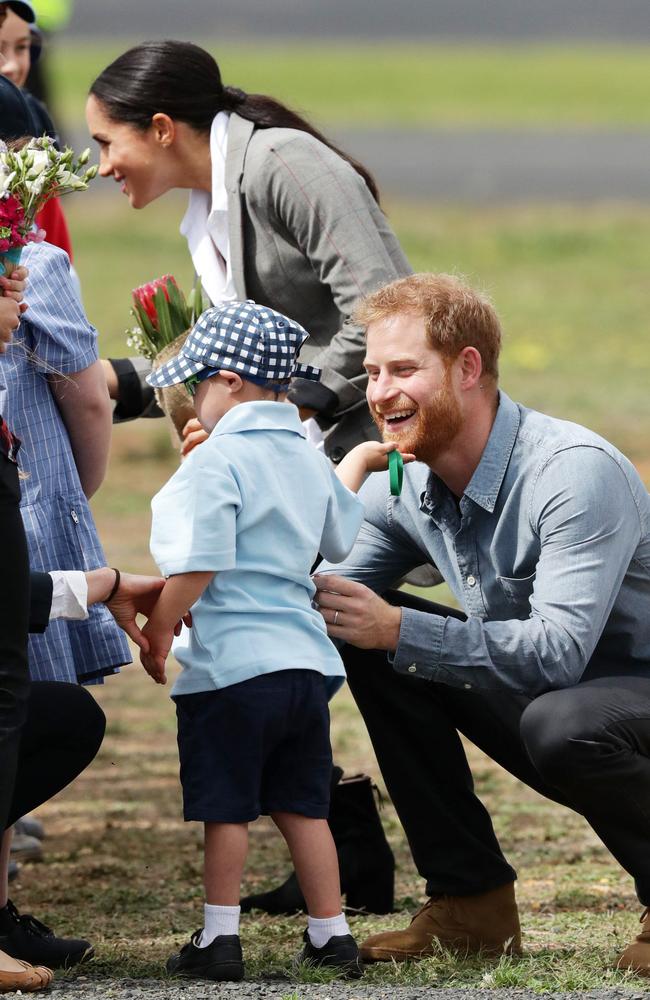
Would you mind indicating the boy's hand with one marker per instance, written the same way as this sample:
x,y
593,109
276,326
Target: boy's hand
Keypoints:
x,y
159,643
374,454
369,456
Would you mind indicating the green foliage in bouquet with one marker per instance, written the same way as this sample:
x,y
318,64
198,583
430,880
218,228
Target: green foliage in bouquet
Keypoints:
x,y
163,314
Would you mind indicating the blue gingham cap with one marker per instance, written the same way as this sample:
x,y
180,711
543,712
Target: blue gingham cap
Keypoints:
x,y
241,337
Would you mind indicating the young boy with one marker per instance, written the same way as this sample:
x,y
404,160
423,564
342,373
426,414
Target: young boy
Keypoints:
x,y
236,530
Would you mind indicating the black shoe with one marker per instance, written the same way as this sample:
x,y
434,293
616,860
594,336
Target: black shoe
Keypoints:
x,y
24,937
340,953
221,959
366,862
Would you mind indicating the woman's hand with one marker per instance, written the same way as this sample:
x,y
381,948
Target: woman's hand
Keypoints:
x,y
9,321
193,434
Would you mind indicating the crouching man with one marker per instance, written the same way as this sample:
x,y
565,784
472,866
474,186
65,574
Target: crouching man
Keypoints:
x,y
542,531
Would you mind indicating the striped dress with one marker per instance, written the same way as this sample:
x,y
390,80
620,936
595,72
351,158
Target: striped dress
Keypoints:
x,y
61,532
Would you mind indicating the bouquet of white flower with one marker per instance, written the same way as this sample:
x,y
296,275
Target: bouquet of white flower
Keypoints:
x,y
29,177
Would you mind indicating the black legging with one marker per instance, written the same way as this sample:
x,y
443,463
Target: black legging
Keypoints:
x,y
14,608
63,731
63,725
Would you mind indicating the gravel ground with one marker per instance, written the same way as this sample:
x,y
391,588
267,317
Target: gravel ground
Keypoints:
x,y
153,989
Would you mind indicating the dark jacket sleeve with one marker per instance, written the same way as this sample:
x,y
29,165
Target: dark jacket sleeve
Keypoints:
x,y
136,398
40,602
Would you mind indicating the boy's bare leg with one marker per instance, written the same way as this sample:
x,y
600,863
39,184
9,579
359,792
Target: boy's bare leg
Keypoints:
x,y
226,847
314,857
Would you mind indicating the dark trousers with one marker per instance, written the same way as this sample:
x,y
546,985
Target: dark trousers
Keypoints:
x,y
63,730
14,609
587,747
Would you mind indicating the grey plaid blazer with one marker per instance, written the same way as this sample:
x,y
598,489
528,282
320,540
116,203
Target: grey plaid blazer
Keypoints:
x,y
308,239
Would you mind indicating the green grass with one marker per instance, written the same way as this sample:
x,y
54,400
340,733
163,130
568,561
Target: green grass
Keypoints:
x,y
420,85
122,867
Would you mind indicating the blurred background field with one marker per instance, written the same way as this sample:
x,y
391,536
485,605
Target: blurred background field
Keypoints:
x,y
570,282
416,84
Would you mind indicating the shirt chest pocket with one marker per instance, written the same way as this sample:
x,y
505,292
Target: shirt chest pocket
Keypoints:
x,y
517,589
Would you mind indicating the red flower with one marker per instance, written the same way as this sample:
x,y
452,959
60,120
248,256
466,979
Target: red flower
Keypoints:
x,y
11,211
12,223
144,296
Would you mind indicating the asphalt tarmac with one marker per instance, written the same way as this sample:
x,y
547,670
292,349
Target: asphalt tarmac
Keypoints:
x,y
504,20
494,166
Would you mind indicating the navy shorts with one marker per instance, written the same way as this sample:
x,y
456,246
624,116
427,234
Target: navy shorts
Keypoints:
x,y
261,746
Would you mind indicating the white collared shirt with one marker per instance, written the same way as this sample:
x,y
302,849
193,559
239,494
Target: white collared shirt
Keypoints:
x,y
205,224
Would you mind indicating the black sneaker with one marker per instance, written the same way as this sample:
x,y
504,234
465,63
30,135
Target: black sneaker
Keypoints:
x,y
221,959
24,937
340,952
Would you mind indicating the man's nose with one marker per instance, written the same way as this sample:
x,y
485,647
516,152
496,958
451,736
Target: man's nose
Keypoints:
x,y
381,389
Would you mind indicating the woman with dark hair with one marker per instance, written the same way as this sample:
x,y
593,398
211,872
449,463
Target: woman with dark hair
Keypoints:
x,y
279,215
276,212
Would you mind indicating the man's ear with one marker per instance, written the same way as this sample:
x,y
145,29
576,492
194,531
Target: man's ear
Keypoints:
x,y
470,366
164,129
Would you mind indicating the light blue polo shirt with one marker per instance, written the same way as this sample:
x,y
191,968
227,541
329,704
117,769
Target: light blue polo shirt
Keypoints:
x,y
255,503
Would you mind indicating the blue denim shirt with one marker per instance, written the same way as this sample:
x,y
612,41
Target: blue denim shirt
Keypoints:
x,y
548,553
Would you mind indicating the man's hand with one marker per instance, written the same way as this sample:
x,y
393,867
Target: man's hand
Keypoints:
x,y
193,434
356,614
9,321
13,285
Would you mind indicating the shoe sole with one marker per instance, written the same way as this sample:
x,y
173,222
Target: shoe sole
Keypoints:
x,y
347,970
79,958
230,972
387,955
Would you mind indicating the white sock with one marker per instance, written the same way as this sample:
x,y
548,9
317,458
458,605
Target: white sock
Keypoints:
x,y
218,920
320,930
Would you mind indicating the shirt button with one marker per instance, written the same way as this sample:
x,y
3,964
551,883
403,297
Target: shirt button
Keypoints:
x,y
471,581
412,668
467,687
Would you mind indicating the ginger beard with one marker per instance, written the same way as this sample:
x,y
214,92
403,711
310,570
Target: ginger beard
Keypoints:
x,y
430,430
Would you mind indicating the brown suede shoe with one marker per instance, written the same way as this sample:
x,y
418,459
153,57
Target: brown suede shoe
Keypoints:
x,y
637,955
487,922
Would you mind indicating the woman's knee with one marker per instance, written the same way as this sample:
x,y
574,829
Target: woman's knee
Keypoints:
x,y
71,711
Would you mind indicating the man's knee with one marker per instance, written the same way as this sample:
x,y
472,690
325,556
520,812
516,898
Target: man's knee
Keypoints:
x,y
559,739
